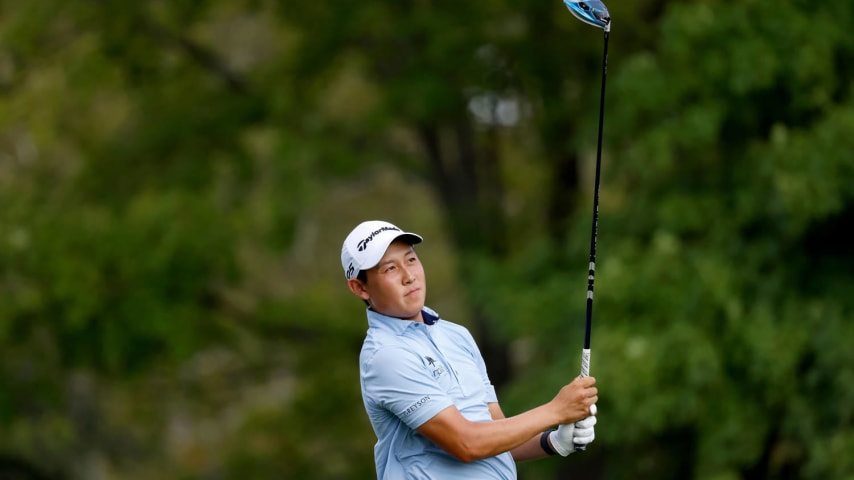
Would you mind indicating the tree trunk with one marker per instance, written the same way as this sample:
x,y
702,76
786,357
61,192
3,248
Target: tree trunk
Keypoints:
x,y
471,192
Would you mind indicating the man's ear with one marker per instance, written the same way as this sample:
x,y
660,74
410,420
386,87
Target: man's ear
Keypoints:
x,y
358,288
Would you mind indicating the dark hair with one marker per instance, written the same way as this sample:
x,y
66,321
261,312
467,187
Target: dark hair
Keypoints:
x,y
363,277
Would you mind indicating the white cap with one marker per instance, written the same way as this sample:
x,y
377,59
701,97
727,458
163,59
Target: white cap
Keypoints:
x,y
365,246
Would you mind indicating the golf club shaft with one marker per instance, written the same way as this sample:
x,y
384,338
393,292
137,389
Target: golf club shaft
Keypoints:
x,y
585,354
595,226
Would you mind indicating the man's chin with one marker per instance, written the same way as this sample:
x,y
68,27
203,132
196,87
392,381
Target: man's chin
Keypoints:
x,y
415,313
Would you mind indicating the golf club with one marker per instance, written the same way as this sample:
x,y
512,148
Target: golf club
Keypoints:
x,y
593,13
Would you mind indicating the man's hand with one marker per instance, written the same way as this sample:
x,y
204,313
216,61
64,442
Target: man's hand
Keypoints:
x,y
567,436
574,401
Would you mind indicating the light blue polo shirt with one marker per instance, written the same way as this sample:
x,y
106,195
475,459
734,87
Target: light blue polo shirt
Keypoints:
x,y
410,371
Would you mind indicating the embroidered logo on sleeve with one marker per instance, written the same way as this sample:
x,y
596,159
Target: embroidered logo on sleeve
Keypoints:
x,y
415,406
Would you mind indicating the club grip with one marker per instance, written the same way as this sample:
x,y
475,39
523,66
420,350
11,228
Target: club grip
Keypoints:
x,y
585,372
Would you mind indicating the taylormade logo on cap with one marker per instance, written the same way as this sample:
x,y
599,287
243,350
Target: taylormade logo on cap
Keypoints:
x,y
365,246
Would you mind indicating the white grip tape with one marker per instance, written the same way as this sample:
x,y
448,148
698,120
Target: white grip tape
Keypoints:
x,y
585,362
585,371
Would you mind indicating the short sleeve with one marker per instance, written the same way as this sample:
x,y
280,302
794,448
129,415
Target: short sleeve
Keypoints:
x,y
491,396
400,382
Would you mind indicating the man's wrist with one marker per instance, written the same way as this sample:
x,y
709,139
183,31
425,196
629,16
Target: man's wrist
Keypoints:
x,y
544,443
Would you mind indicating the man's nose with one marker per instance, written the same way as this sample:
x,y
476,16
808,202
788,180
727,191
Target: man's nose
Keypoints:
x,y
408,275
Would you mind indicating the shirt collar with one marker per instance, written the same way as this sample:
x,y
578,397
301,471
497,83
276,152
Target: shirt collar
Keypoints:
x,y
399,325
430,317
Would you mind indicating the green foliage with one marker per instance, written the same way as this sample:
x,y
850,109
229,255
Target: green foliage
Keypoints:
x,y
722,268
176,178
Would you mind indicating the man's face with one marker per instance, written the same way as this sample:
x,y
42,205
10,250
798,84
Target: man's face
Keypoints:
x,y
396,286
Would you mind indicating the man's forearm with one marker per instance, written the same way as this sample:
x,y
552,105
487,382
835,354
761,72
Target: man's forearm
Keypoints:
x,y
523,430
470,441
530,450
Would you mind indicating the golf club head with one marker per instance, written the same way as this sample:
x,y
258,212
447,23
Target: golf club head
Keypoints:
x,y
594,13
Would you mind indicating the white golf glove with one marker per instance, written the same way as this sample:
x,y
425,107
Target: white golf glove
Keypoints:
x,y
567,436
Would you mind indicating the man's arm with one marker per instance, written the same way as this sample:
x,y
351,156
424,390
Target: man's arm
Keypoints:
x,y
468,441
530,450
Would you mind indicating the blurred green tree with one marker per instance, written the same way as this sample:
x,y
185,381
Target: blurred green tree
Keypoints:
x,y
160,159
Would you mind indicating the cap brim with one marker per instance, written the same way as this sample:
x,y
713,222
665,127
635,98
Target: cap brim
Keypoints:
x,y
407,237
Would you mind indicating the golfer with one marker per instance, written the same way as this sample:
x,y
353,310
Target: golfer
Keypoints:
x,y
425,385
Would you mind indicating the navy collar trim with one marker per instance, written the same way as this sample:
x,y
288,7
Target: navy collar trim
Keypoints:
x,y
429,317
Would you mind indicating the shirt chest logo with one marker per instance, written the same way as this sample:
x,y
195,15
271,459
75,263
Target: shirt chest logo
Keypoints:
x,y
438,368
